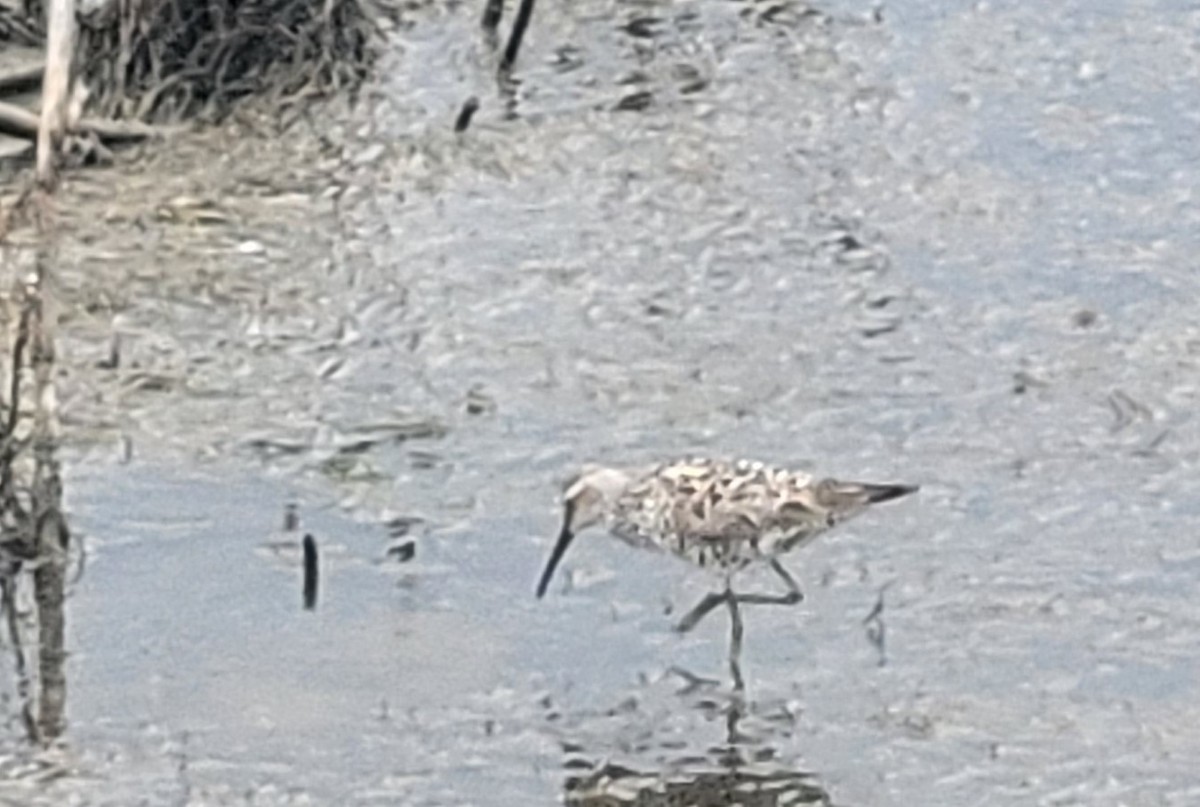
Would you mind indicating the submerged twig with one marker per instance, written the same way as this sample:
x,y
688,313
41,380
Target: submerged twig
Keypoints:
x,y
876,629
492,11
469,108
291,517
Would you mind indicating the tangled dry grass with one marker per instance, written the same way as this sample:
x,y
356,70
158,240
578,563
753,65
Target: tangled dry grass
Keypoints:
x,y
156,60
170,60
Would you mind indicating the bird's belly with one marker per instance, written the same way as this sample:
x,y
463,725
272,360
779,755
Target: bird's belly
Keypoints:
x,y
718,557
723,550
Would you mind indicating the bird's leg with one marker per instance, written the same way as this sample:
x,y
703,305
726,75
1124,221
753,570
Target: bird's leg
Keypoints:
x,y
793,595
793,587
702,609
711,601
736,632
733,716
691,681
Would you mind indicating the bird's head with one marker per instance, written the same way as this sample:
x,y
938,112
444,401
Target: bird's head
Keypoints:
x,y
588,500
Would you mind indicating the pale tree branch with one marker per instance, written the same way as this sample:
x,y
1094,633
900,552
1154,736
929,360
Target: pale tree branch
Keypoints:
x,y
56,88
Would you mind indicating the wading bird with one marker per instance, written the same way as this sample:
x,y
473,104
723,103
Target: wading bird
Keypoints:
x,y
717,515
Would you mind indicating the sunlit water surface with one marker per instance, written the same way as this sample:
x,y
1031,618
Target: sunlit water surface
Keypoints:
x,y
943,243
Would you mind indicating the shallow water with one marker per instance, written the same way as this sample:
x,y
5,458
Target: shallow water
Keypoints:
x,y
950,244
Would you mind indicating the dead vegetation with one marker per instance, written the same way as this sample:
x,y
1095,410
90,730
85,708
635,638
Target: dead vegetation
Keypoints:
x,y
118,65
169,60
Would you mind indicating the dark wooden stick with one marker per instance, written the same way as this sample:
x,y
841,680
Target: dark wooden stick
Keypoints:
x,y
310,572
524,13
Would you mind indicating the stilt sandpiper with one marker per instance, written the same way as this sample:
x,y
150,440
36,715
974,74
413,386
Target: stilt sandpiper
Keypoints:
x,y
717,515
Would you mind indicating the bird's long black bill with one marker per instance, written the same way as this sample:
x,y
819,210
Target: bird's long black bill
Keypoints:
x,y
564,540
885,493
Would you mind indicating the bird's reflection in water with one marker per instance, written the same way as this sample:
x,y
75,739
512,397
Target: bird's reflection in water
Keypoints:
x,y
613,785
745,769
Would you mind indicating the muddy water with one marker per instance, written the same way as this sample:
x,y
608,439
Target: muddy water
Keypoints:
x,y
950,244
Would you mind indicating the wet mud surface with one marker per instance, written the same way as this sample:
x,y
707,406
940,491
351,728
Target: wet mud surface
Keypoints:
x,y
948,244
